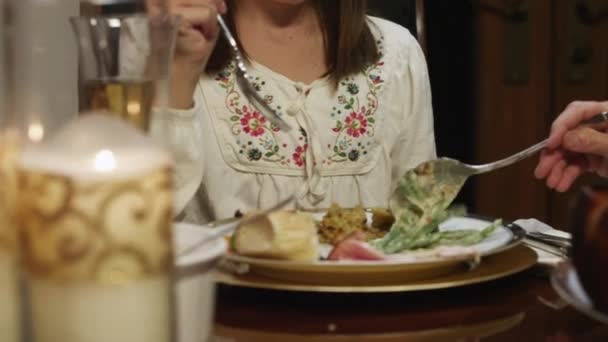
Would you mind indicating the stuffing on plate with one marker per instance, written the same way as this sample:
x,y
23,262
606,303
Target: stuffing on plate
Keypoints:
x,y
338,223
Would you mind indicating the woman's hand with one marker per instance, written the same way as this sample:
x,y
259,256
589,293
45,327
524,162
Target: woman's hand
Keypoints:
x,y
572,150
198,29
197,34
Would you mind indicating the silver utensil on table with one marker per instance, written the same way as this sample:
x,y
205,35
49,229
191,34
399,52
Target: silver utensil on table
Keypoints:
x,y
246,82
551,239
556,245
561,252
561,247
220,231
543,237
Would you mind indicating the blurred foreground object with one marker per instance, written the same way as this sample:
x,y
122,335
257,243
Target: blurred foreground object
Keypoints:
x,y
590,247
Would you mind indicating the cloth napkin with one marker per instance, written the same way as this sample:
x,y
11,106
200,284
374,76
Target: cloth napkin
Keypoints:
x,y
533,225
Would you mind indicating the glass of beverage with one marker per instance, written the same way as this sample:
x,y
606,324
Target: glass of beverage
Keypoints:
x,y
124,65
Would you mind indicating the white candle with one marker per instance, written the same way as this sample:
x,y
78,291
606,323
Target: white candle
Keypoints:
x,y
97,313
96,213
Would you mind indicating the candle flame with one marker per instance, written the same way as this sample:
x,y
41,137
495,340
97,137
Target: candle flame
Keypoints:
x,y
113,22
35,132
105,161
133,108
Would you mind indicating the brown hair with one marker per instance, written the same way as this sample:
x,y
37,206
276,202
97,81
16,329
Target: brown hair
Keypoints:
x,y
349,43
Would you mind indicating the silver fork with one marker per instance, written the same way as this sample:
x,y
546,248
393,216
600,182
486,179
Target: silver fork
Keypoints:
x,y
246,81
478,169
469,170
230,227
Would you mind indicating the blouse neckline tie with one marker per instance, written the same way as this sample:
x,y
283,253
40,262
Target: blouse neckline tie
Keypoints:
x,y
313,189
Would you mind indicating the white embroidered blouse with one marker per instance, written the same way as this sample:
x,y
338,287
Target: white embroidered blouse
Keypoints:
x,y
348,146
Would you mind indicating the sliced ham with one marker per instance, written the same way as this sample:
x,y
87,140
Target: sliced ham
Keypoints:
x,y
354,247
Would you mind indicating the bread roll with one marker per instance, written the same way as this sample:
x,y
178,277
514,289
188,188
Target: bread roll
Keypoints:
x,y
280,235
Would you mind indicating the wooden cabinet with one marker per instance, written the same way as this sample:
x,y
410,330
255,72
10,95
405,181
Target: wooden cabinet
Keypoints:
x,y
560,51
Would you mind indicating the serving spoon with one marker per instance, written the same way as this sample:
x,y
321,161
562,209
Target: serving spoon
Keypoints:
x,y
438,181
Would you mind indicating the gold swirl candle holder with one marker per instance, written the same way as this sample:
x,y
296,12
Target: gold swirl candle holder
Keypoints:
x,y
95,216
9,293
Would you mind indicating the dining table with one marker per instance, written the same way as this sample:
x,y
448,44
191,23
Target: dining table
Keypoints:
x,y
520,307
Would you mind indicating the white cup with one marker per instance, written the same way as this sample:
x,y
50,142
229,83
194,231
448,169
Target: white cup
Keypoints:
x,y
195,287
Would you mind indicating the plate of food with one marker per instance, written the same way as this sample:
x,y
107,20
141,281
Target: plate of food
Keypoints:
x,y
419,237
360,246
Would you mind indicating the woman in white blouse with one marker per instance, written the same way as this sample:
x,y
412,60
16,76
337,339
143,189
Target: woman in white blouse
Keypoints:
x,y
354,87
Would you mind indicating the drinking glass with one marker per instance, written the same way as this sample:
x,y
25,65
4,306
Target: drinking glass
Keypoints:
x,y
124,65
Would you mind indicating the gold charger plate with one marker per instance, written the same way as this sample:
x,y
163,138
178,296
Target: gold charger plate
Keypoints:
x,y
456,332
390,271
493,267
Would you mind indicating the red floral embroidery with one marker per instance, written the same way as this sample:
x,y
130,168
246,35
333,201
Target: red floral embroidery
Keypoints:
x,y
257,138
356,124
376,80
355,115
299,157
253,123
